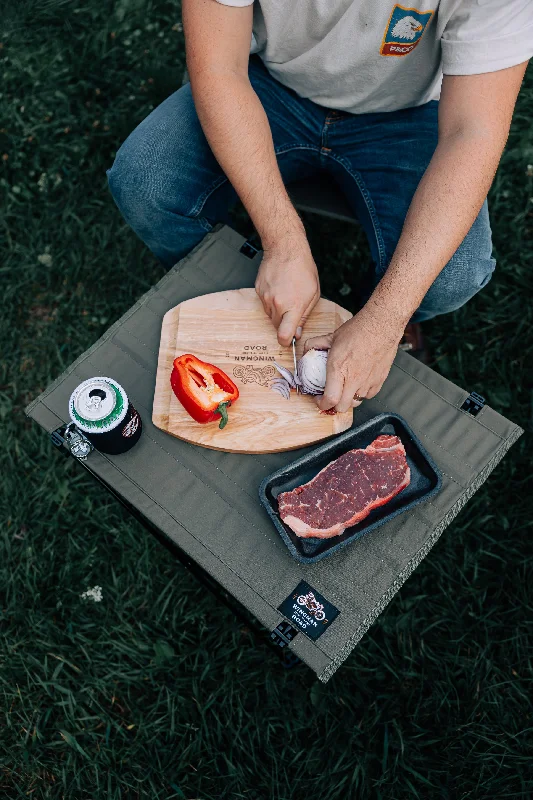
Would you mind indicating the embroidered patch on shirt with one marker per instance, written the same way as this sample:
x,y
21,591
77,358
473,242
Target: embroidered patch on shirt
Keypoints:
x,y
404,30
309,610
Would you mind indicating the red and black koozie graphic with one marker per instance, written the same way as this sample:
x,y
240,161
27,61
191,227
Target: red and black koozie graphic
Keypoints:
x,y
122,438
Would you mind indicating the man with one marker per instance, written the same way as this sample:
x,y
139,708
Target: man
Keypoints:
x,y
349,87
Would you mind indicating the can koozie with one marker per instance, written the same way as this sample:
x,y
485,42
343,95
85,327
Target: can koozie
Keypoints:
x,y
100,408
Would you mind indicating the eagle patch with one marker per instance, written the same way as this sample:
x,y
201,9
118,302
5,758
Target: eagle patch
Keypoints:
x,y
404,30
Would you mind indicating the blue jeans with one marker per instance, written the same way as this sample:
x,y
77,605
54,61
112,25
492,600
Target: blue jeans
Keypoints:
x,y
171,190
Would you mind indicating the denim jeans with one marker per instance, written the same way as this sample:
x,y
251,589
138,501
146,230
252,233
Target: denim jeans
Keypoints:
x,y
170,189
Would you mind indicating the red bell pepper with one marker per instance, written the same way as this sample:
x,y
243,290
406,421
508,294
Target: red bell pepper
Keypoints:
x,y
204,391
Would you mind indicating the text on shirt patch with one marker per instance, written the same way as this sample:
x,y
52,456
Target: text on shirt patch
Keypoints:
x,y
404,30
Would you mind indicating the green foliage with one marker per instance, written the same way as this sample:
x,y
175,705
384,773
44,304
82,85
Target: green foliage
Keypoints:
x,y
148,693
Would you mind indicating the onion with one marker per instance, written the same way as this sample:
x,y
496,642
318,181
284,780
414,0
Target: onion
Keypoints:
x,y
286,374
310,372
281,386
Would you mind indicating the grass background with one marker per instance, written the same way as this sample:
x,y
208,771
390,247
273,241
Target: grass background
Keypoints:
x,y
148,694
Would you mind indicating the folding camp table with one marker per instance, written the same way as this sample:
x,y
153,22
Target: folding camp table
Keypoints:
x,y
205,502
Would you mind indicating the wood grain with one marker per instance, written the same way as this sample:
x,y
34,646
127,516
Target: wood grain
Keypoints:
x,y
230,329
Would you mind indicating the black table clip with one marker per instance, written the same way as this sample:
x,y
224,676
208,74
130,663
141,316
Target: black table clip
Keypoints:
x,y
282,636
249,250
473,404
57,438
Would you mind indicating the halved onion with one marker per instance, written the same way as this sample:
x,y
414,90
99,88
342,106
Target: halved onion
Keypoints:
x,y
310,372
311,369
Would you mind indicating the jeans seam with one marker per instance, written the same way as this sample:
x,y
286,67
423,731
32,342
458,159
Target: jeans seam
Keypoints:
x,y
369,205
206,194
286,148
206,225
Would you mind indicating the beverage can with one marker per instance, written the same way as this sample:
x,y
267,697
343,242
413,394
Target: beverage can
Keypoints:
x,y
100,408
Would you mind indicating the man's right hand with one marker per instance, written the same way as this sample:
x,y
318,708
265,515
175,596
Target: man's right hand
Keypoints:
x,y
288,285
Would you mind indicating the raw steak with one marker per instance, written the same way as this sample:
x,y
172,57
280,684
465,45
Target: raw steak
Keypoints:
x,y
346,490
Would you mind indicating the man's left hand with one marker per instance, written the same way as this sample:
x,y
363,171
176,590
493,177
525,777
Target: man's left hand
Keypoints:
x,y
361,353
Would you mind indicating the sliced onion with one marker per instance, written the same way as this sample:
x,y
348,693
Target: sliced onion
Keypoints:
x,y
281,386
310,374
286,374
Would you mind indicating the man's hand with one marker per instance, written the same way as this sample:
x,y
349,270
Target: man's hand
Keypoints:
x,y
288,285
361,354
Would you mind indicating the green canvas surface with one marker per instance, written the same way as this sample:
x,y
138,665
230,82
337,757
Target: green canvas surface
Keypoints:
x,y
207,501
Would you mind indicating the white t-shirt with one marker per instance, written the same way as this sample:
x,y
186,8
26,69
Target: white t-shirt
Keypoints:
x,y
376,55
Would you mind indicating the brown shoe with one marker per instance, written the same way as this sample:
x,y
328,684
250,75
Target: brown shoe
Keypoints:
x,y
414,343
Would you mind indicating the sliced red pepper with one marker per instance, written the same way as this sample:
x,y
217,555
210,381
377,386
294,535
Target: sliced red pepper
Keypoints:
x,y
204,391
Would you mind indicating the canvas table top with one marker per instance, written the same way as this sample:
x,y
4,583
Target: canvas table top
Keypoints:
x,y
207,501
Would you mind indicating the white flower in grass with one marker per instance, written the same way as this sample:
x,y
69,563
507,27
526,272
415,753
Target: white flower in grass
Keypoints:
x,y
93,594
45,259
345,289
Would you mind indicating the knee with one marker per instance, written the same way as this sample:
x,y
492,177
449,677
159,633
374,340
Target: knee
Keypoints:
x,y
131,180
151,168
458,282
468,271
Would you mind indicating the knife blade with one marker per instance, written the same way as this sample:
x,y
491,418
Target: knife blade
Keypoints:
x,y
294,358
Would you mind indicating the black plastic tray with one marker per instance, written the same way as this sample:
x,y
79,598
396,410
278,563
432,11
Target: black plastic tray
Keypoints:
x,y
425,482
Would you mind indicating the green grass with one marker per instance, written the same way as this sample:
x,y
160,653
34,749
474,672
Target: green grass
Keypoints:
x,y
152,692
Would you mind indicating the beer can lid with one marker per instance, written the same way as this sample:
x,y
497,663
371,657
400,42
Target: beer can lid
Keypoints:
x,y
98,405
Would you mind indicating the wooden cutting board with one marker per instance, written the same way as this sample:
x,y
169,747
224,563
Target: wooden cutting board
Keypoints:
x,y
231,330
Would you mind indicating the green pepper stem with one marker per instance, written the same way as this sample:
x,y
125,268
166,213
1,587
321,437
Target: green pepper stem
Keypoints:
x,y
223,411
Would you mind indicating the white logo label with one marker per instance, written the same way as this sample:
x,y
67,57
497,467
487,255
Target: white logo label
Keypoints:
x,y
129,429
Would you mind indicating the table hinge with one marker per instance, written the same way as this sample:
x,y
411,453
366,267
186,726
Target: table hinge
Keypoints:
x,y
473,404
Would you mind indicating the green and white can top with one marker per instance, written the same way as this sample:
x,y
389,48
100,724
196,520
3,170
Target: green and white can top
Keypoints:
x,y
98,405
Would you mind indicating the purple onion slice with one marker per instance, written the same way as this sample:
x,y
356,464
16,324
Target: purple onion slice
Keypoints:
x,y
281,386
286,374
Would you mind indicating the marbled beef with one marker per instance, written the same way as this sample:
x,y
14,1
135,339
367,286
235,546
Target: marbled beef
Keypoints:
x,y
346,490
